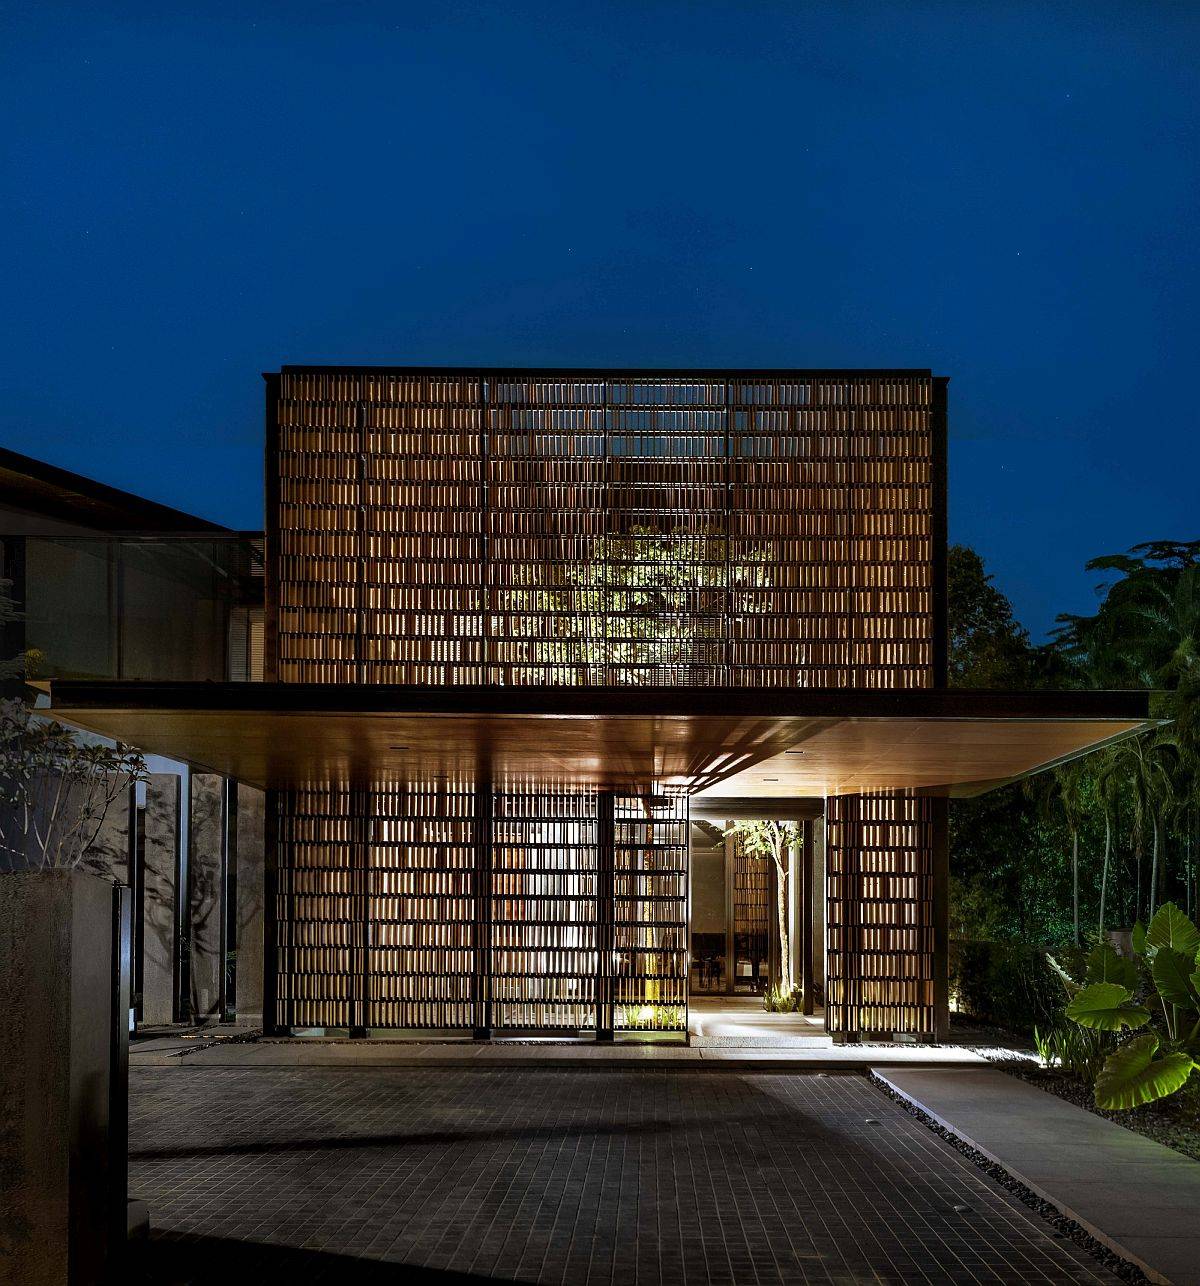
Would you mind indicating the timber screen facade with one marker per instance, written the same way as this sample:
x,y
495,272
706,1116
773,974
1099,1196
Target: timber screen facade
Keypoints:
x,y
717,529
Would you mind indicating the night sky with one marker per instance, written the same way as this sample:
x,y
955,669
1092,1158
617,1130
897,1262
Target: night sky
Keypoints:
x,y
1006,193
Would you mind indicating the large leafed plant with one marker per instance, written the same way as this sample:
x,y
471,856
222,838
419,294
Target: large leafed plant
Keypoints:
x,y
1157,990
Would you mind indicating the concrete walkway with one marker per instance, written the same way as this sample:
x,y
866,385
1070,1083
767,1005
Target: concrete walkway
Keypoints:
x,y
370,1053
724,1032
1134,1195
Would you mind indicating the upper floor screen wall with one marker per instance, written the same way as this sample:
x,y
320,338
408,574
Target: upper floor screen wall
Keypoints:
x,y
507,528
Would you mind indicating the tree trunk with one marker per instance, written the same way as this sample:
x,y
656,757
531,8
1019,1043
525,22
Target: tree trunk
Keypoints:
x,y
1153,893
1075,882
785,946
1104,869
1137,866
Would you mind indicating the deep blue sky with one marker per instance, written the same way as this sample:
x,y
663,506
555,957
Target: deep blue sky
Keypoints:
x,y
1005,192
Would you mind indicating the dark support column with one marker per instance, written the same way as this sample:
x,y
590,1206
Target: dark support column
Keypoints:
x,y
843,879
12,634
182,963
940,598
481,981
730,925
941,919
774,962
272,1014
227,977
118,1081
137,894
271,535
360,823
806,916
605,893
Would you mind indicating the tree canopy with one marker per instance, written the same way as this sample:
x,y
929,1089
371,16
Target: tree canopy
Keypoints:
x,y
1119,826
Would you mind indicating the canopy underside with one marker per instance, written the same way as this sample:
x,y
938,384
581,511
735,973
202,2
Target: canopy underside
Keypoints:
x,y
744,743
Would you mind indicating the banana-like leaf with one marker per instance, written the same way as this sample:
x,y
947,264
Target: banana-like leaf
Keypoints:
x,y
1107,1006
1171,928
1138,938
1172,972
1067,981
1105,965
1132,1075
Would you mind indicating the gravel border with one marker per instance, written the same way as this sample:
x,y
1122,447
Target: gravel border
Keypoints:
x,y
1063,1225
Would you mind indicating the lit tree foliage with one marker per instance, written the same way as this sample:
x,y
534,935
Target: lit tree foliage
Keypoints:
x,y
774,841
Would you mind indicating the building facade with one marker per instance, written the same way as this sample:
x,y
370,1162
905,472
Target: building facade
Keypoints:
x,y
722,530
523,627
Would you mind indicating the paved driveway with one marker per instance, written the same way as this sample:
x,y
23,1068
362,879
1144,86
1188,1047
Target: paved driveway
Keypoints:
x,y
576,1177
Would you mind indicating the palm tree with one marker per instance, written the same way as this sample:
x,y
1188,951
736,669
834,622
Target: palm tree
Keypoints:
x,y
1149,765
1147,635
1108,791
1062,791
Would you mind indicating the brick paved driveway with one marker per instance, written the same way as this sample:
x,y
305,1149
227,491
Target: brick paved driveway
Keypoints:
x,y
566,1177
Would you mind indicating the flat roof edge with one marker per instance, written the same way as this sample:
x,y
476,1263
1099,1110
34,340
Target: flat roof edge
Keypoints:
x,y
739,372
598,702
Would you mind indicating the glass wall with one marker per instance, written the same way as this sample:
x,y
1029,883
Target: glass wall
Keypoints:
x,y
166,608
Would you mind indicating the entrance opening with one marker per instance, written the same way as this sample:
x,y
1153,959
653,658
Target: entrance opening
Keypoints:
x,y
750,936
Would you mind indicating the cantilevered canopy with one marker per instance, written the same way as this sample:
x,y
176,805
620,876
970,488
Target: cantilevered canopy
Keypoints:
x,y
743,742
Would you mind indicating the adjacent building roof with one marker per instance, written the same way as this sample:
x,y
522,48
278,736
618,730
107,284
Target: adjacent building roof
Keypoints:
x,y
34,487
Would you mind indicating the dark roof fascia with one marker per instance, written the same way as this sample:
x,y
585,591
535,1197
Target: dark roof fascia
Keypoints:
x,y
599,702
657,372
40,488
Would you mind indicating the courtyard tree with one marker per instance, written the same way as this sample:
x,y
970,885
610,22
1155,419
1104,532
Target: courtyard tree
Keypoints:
x,y
775,841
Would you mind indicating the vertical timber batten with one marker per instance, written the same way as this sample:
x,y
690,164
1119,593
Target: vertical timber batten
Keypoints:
x,y
481,977
605,913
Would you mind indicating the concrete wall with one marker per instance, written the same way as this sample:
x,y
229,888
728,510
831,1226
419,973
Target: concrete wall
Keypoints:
x,y
55,1048
108,854
708,879
250,855
158,942
204,893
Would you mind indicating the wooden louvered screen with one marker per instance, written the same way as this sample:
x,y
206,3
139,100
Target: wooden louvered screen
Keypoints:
x,y
420,917
380,538
379,922
545,910
319,908
650,876
882,869
753,916
488,529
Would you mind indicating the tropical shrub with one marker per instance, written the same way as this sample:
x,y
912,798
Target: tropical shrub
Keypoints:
x,y
648,1017
776,1000
1005,983
1159,990
1079,1051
